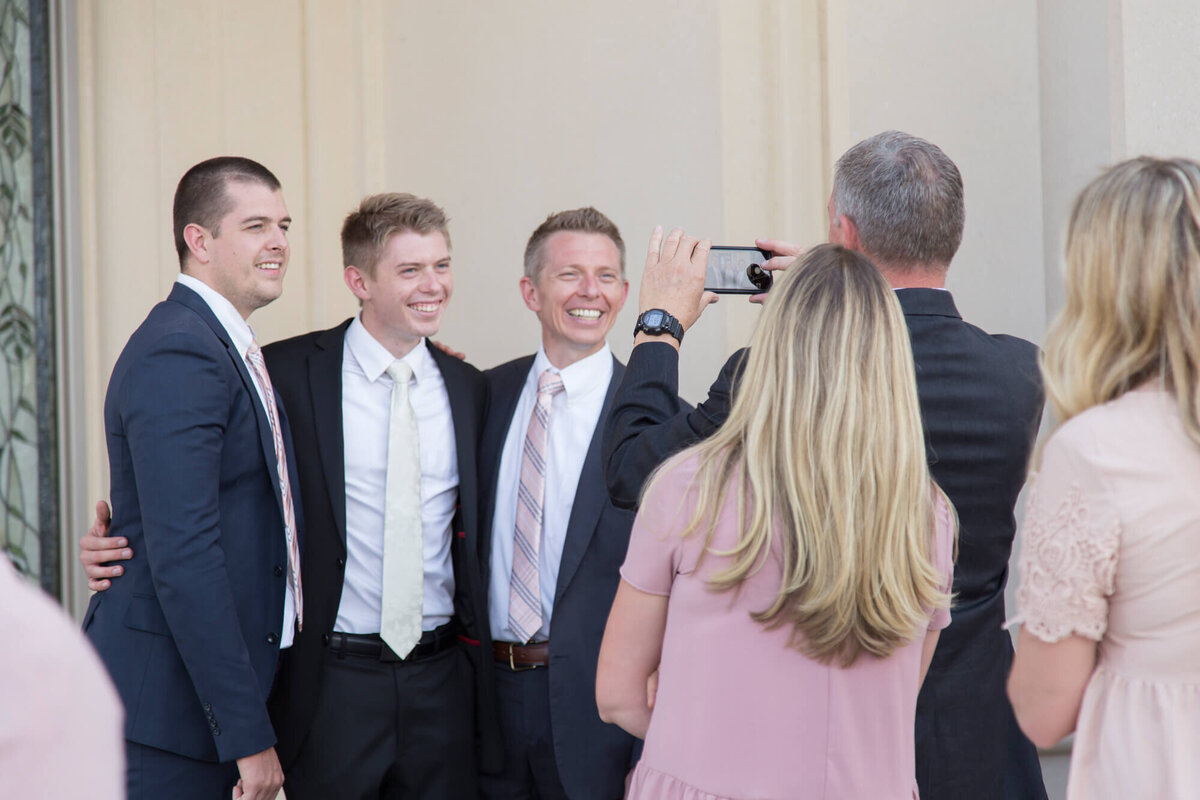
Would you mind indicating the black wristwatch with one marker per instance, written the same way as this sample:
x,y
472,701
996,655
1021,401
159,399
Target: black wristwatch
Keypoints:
x,y
656,322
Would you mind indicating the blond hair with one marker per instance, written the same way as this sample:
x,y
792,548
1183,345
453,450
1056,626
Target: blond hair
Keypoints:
x,y
366,231
1133,290
825,451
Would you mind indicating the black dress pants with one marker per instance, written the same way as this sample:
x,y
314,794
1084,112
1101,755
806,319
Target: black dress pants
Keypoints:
x,y
390,731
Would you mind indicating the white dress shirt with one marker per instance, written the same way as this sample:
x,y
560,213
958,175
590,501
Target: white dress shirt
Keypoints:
x,y
241,335
574,413
366,408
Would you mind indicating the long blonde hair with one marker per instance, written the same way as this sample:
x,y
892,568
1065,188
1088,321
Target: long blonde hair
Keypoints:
x,y
825,451
1133,290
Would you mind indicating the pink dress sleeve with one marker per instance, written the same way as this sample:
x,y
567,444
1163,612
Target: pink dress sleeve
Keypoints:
x,y
1070,539
943,558
655,546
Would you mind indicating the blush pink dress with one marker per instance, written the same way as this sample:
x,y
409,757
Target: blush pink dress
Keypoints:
x,y
739,713
1111,552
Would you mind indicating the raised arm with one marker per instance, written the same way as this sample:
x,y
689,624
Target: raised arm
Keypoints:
x,y
649,423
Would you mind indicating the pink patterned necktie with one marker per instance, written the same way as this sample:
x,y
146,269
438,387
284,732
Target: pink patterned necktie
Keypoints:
x,y
525,590
254,357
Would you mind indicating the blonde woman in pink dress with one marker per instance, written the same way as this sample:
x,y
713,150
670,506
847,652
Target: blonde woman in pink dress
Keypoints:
x,y
1110,566
787,578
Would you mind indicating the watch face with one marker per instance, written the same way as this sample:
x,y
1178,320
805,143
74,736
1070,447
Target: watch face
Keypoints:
x,y
652,318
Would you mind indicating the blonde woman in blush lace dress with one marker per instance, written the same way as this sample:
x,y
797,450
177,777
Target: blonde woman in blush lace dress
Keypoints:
x,y
787,578
1110,566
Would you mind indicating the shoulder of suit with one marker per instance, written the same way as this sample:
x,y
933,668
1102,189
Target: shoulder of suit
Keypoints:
x,y
449,364
1020,351
173,325
518,367
306,342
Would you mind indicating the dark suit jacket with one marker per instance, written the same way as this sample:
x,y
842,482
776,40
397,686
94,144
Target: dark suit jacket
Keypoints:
x,y
190,634
981,402
307,371
593,757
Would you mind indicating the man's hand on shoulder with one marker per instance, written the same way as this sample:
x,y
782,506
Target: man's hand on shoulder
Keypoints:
x,y
97,549
674,276
261,776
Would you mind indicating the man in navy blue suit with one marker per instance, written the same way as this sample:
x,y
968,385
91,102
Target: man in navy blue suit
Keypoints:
x,y
555,743
200,489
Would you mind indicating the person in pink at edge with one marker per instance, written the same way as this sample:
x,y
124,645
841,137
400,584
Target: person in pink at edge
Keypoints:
x,y
61,722
1109,601
787,578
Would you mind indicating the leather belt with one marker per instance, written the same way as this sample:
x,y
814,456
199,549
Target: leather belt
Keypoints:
x,y
370,645
522,656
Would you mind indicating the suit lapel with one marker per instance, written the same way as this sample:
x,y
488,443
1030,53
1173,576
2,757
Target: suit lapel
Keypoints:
x,y
465,433
591,496
325,388
187,297
506,391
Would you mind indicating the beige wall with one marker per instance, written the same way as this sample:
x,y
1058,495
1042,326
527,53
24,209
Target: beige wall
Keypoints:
x,y
723,116
664,112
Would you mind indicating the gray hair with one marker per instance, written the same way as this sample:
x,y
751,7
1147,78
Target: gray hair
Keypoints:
x,y
905,197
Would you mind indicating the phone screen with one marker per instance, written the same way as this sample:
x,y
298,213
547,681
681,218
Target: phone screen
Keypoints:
x,y
736,270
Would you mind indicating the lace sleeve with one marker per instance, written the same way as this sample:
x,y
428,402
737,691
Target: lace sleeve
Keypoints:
x,y
1068,560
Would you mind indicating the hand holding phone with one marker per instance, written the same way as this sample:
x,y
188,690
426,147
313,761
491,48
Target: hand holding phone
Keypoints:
x,y
737,270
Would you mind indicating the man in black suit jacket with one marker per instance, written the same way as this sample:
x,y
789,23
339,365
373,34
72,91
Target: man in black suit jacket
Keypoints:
x,y
555,743
898,200
356,718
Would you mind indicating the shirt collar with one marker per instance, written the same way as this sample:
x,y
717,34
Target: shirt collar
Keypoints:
x,y
374,358
581,378
238,329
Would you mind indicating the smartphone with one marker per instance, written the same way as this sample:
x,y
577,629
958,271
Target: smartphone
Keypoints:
x,y
737,270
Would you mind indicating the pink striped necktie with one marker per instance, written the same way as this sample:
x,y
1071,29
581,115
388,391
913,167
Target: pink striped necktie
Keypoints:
x,y
525,590
254,357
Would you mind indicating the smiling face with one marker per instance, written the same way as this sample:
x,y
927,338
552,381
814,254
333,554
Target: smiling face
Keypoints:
x,y
247,256
404,296
577,294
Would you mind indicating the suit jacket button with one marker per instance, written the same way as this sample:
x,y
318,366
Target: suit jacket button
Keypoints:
x,y
278,570
272,638
325,639
341,563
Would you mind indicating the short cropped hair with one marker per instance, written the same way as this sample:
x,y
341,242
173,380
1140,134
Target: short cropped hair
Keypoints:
x,y
905,197
579,220
378,217
201,199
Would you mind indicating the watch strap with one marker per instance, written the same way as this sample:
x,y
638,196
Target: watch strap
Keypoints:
x,y
666,324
